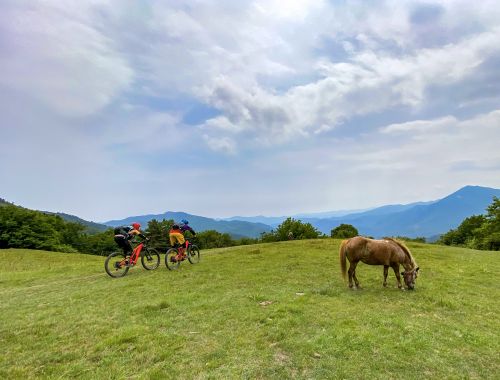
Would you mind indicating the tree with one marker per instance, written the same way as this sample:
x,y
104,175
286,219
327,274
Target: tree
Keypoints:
x,y
214,239
99,244
477,231
298,230
489,232
158,233
466,233
23,228
344,231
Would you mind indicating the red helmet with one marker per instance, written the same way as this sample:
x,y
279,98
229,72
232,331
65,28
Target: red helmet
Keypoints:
x,y
136,226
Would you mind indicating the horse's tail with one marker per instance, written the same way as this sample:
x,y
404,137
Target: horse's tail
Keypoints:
x,y
342,257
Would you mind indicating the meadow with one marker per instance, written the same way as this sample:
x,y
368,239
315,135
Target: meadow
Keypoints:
x,y
268,311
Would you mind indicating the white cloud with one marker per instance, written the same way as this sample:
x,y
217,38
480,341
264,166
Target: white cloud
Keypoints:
x,y
419,126
221,144
432,146
60,59
292,86
369,83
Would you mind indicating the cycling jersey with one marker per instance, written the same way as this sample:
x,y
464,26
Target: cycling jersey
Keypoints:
x,y
127,232
122,236
176,236
185,228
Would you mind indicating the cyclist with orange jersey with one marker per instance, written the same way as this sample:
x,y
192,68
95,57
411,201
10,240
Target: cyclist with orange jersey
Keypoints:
x,y
176,235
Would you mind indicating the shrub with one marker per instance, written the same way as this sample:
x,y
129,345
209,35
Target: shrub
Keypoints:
x,y
344,231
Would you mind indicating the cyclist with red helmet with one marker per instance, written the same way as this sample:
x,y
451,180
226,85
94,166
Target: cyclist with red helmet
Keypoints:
x,y
124,234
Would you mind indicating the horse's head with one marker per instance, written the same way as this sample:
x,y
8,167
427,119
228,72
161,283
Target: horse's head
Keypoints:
x,y
410,276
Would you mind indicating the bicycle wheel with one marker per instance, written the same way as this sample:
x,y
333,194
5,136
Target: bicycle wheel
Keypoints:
x,y
193,254
170,259
150,258
115,265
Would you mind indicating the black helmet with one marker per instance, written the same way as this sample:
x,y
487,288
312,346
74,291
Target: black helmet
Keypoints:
x,y
175,227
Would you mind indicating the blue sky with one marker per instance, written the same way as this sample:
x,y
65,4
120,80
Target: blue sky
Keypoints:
x,y
219,108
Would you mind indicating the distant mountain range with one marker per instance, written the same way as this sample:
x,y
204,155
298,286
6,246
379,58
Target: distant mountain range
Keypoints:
x,y
92,227
236,228
275,221
420,219
426,219
313,218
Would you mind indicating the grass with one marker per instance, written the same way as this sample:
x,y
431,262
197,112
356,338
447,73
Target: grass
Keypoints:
x,y
270,311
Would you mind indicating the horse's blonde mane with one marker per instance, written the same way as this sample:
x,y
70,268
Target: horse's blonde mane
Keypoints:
x,y
405,250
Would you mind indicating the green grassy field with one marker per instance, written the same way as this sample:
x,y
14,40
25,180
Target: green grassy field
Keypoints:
x,y
63,317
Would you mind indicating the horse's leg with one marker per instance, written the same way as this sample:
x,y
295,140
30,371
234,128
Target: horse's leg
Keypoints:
x,y
356,282
352,269
349,272
352,274
386,271
395,267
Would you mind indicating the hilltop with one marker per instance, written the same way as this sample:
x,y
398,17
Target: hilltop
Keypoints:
x,y
264,311
91,227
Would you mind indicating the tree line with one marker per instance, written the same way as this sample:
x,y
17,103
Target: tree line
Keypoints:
x,y
30,229
477,231
24,228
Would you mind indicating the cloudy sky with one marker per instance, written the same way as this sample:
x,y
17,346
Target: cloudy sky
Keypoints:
x,y
218,108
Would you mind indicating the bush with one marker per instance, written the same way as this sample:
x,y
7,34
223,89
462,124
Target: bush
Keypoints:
x,y
291,229
344,231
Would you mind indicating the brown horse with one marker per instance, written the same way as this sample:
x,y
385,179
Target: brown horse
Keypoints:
x,y
387,252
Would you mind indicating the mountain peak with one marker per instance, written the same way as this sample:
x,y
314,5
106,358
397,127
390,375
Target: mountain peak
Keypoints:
x,y
471,191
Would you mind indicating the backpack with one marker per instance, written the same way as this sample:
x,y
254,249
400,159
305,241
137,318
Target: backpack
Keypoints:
x,y
121,230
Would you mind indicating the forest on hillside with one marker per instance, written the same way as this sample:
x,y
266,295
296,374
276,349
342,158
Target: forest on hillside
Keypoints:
x,y
477,231
24,228
30,229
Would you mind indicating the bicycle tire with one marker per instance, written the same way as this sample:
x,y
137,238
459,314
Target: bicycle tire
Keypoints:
x,y
150,258
115,265
193,254
170,262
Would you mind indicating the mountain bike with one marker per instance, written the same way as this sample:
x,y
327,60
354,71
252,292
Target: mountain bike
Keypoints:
x,y
175,255
117,264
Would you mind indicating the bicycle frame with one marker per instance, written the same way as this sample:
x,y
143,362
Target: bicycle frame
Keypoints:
x,y
117,265
175,255
182,250
136,253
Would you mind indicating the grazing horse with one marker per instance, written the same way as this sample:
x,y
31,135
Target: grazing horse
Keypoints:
x,y
387,252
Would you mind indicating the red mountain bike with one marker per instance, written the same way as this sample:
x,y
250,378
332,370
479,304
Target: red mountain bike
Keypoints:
x,y
117,265
175,255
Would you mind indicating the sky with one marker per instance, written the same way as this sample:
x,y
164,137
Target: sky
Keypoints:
x,y
116,108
